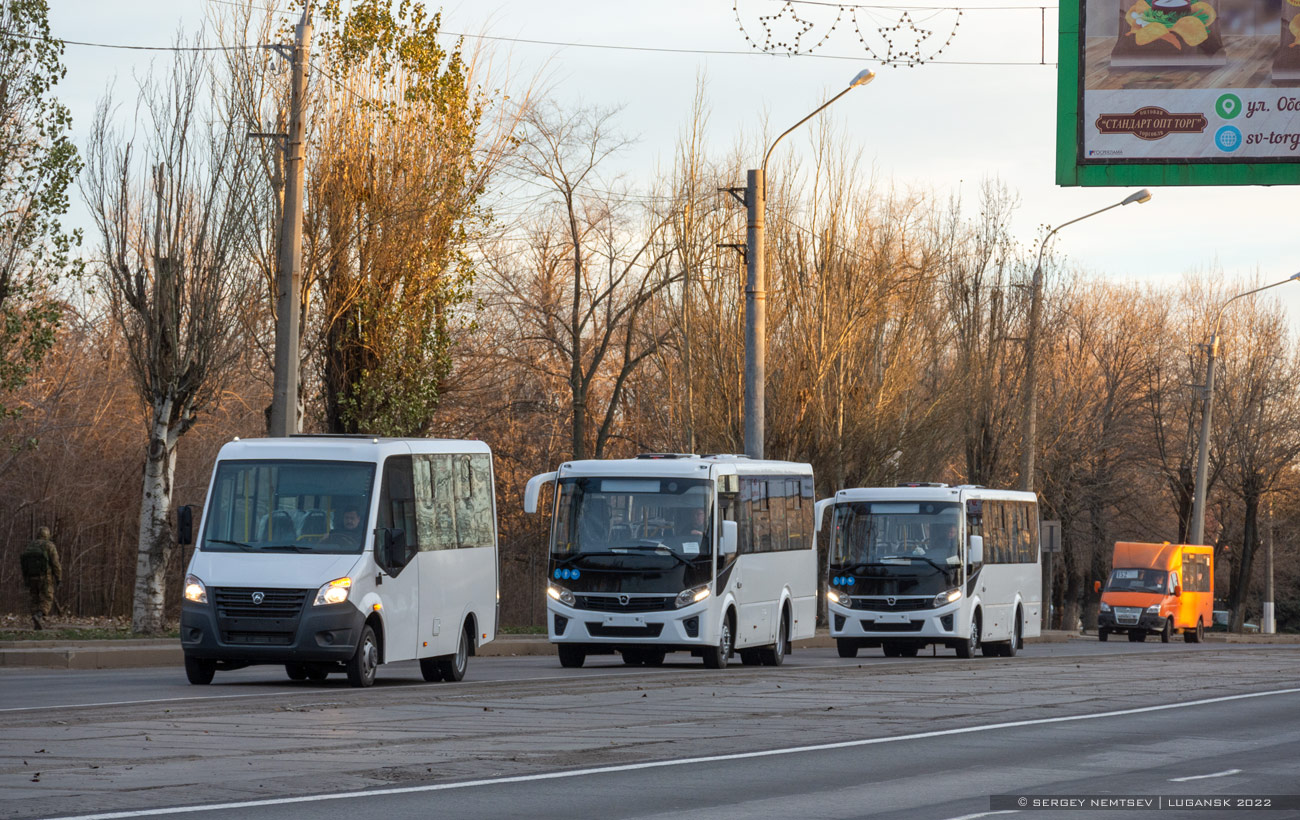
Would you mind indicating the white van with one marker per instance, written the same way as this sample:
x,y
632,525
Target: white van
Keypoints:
x,y
339,553
673,552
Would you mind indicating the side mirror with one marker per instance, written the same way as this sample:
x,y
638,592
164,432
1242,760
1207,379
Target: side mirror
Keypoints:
x,y
976,553
184,525
729,535
1178,590
819,513
1096,586
534,489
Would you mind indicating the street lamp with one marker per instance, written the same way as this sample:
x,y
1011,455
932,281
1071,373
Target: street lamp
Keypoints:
x,y
1203,453
756,285
1029,427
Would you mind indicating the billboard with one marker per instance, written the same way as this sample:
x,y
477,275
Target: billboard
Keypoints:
x,y
1179,92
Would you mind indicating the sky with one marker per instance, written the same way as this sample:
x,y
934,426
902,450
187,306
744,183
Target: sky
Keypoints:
x,y
989,111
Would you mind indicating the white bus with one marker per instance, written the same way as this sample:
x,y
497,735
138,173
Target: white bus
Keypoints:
x,y
340,553
923,564
667,552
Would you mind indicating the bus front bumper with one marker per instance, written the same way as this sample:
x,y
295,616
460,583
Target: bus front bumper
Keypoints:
x,y
870,628
317,634
691,627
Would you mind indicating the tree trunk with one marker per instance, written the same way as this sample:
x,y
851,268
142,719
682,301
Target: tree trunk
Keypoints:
x,y
155,542
1241,573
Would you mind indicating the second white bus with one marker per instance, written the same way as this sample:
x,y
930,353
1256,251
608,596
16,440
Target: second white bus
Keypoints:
x,y
665,552
917,565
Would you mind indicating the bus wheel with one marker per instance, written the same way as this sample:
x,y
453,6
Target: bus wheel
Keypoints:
x,y
1195,635
429,670
316,673
1168,631
632,656
364,662
891,649
909,650
848,648
967,648
653,657
776,655
571,657
1017,638
716,657
453,666
1103,634
749,657
295,671
1137,636
200,671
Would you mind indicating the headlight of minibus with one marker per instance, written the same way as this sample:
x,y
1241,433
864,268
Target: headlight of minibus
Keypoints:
x,y
194,590
561,594
335,592
691,596
1154,609
945,598
1104,607
836,597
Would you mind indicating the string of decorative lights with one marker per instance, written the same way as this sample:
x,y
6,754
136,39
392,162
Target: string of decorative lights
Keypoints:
x,y
909,50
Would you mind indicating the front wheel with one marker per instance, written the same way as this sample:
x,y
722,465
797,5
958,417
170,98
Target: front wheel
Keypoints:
x,y
1168,631
453,666
846,647
200,671
716,657
968,648
1103,634
571,657
363,664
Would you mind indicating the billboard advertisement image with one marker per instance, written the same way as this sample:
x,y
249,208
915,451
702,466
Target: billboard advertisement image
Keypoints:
x,y
1179,92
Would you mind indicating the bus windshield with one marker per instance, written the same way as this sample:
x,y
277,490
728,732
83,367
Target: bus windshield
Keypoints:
x,y
289,506
1138,580
897,547
658,528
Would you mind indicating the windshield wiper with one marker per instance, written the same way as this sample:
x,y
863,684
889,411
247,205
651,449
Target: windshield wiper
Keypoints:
x,y
286,548
240,544
659,549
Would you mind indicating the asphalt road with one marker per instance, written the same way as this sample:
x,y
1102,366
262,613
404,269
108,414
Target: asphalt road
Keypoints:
x,y
891,738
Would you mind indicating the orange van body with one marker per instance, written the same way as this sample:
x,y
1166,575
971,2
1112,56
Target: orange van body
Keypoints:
x,y
1158,589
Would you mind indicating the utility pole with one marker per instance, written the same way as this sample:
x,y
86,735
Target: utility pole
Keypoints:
x,y
1197,534
288,297
1268,622
755,313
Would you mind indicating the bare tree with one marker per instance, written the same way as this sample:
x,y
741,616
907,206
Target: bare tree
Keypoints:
x,y
174,274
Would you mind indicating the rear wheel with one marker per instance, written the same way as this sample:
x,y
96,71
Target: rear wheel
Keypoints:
x,y
716,657
749,657
1137,636
317,673
430,670
200,671
1195,635
653,657
632,657
453,666
1017,637
775,655
571,657
847,648
295,671
1168,632
909,650
891,650
363,664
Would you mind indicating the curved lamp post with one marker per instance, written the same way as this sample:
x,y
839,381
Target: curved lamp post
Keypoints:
x,y
1029,426
1197,535
756,285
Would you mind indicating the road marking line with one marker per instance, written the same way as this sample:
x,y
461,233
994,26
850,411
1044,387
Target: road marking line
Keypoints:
x,y
1204,776
660,764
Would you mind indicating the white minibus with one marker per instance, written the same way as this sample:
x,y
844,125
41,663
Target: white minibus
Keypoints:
x,y
668,552
923,564
341,553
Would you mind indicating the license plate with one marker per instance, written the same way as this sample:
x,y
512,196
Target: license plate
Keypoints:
x,y
624,620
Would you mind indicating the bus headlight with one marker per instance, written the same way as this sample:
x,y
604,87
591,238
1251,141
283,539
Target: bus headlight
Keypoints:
x,y
945,598
335,592
1154,609
1103,607
561,594
691,596
194,590
836,597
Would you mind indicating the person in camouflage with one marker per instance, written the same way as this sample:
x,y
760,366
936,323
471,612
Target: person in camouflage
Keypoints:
x,y
41,572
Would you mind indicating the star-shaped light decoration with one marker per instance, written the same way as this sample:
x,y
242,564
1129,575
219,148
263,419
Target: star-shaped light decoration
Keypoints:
x,y
791,47
905,41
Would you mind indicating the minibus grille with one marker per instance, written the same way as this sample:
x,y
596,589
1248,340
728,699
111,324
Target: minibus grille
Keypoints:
x,y
611,603
237,602
908,626
597,630
898,605
1127,614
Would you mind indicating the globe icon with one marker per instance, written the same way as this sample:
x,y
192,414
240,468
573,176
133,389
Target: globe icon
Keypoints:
x,y
1228,139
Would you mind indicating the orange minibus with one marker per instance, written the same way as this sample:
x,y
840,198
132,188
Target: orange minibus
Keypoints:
x,y
1158,589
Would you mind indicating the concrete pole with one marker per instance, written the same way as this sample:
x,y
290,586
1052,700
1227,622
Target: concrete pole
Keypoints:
x,y
755,315
1197,532
1268,624
284,396
1029,419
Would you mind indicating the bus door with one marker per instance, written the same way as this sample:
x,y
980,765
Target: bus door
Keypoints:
x,y
396,551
